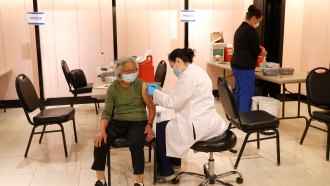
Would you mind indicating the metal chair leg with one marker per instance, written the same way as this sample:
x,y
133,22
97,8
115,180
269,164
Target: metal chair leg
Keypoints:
x,y
73,99
109,169
42,134
64,141
149,151
241,151
96,110
258,140
223,183
278,147
155,163
3,106
305,131
328,143
74,130
28,147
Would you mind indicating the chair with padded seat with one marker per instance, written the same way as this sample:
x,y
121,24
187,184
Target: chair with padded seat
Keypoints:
x,y
30,102
318,94
224,142
160,74
75,91
256,121
122,142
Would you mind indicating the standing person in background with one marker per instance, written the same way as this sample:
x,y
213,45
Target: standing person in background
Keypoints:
x,y
245,57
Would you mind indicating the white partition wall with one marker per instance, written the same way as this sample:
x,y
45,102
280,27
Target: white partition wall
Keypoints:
x,y
77,32
306,42
214,16
17,46
150,24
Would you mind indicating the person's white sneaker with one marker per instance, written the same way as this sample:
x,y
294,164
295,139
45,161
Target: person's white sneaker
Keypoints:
x,y
162,179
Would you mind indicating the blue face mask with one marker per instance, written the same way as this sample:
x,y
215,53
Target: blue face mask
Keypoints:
x,y
177,72
129,78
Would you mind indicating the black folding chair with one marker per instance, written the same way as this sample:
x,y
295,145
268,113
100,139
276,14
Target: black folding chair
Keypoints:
x,y
30,102
249,122
122,142
75,91
318,94
160,74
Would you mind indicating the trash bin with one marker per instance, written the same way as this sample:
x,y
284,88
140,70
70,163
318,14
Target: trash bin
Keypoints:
x,y
267,104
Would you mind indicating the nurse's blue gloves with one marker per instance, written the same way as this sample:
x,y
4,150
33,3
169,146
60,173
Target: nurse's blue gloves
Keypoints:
x,y
151,87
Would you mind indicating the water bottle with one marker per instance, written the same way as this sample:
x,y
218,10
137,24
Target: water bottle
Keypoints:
x,y
102,61
264,63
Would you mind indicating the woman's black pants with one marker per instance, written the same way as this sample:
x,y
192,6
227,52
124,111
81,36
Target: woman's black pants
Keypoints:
x,y
134,132
164,163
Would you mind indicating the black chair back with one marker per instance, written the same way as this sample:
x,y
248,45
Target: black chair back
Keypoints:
x,y
228,101
67,73
26,93
160,74
318,86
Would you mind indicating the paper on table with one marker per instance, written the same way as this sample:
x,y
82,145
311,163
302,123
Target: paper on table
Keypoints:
x,y
105,86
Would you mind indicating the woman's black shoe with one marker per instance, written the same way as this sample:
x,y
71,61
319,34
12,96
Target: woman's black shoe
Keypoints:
x,y
99,183
137,184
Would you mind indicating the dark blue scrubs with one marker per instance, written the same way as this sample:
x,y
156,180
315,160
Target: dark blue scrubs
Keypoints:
x,y
244,84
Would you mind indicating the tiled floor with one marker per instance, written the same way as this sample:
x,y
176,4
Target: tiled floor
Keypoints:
x,y
47,165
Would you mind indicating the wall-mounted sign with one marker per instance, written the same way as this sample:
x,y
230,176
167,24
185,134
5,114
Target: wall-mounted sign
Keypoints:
x,y
187,15
36,18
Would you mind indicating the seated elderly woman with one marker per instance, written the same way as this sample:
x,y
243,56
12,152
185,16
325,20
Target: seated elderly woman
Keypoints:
x,y
125,115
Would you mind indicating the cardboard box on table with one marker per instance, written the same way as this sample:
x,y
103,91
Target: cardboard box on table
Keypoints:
x,y
217,48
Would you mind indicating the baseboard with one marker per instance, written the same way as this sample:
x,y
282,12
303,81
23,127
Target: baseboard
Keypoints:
x,y
288,97
68,100
10,104
50,101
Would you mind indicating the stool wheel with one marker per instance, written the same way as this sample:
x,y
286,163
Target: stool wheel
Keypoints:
x,y
206,170
239,180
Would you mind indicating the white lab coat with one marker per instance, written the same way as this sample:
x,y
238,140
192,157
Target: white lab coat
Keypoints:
x,y
193,103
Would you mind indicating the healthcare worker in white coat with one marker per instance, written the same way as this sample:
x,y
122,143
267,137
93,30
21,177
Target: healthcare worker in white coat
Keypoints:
x,y
196,117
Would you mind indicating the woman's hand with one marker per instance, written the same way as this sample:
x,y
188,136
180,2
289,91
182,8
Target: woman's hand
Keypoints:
x,y
102,135
150,133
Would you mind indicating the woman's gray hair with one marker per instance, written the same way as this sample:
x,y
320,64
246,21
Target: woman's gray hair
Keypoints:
x,y
121,61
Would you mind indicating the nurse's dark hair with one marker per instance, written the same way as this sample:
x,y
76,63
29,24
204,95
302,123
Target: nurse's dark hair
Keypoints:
x,y
186,54
253,11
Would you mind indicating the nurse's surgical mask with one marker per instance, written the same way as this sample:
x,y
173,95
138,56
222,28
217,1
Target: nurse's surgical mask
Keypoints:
x,y
177,72
176,69
256,25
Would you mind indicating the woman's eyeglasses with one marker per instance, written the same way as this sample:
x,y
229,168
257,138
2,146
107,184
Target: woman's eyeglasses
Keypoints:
x,y
129,71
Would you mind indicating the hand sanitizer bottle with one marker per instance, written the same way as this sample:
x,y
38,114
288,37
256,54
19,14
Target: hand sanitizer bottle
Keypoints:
x,y
102,61
264,63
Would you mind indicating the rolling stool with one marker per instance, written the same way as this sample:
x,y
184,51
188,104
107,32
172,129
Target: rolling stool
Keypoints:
x,y
224,142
